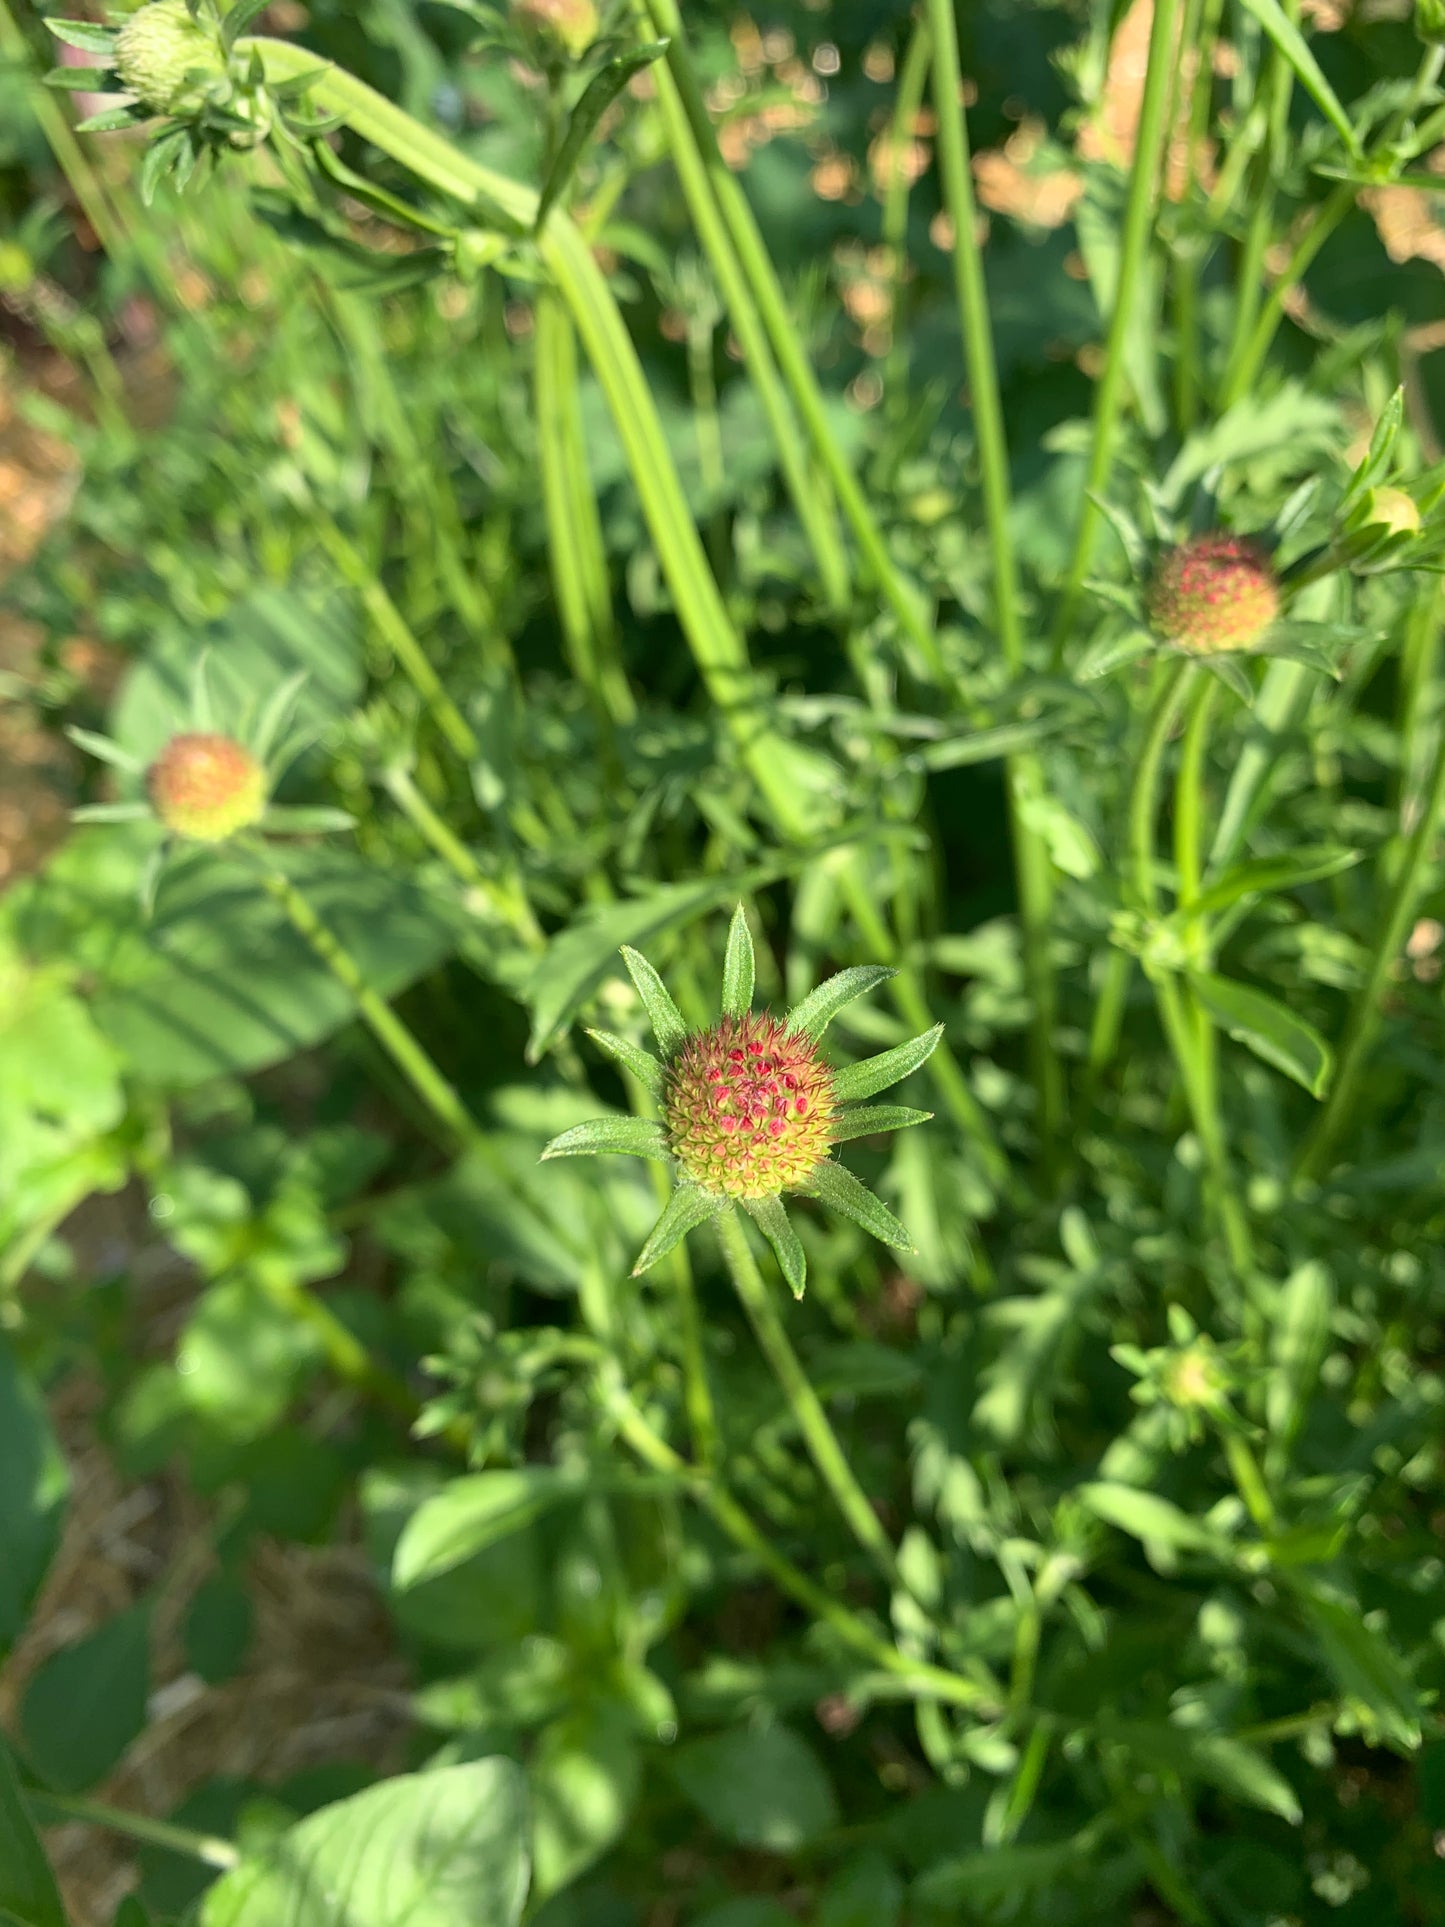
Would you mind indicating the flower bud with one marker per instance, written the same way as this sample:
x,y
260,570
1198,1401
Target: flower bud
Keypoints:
x,y
1430,22
1389,512
159,53
572,24
749,1108
206,787
1213,594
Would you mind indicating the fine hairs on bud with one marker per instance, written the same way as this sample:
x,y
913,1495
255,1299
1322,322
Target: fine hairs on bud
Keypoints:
x,y
206,787
749,1108
165,58
1214,594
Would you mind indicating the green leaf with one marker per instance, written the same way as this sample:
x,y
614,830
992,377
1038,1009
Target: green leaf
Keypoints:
x,y
737,991
1291,43
1375,465
1299,1333
583,1778
1239,1770
472,1513
866,1892
632,1057
640,1137
28,1893
218,1628
874,1074
1367,1670
441,1849
687,1208
113,121
34,1485
1113,652
242,13
867,1119
86,1703
771,1217
836,1187
993,1874
86,35
1266,874
1269,1028
662,1013
759,1787
817,1010
1150,1518
1319,645
988,745
603,88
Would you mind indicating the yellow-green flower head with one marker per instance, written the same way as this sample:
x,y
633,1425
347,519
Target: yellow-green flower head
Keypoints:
x,y
572,24
1213,595
749,1108
207,787
165,58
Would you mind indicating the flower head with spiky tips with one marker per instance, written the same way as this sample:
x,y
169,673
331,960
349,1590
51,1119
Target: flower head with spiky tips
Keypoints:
x,y
751,1109
207,786
1213,595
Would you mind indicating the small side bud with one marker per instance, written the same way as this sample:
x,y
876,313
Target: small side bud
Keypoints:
x,y
1383,523
1430,22
1213,595
166,58
571,25
206,787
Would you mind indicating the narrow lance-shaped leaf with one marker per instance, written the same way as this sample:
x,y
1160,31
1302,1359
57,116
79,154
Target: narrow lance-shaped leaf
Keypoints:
x,y
105,749
87,36
632,1057
687,1208
888,1067
1270,1029
662,1013
869,1119
737,992
638,1137
242,13
1291,43
771,1217
835,1186
813,1015
601,91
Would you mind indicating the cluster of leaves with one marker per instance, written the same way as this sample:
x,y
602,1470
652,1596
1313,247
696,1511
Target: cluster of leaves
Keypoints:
x,y
1169,1523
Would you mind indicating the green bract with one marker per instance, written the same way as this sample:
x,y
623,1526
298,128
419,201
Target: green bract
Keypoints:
x,y
751,1109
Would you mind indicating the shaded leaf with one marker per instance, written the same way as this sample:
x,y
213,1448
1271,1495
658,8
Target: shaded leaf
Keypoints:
x,y
759,1787
34,1484
1150,1518
85,1704
474,1512
1292,44
1368,1671
28,1893
1269,1028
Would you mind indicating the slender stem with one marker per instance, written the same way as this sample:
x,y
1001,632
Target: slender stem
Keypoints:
x,y
1201,34
1249,1480
1364,1019
505,897
1134,243
390,1032
54,1809
812,1421
1317,230
919,1679
1275,89
70,156
345,1355
1189,790
907,102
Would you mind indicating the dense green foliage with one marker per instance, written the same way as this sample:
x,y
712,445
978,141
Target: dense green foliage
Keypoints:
x,y
574,581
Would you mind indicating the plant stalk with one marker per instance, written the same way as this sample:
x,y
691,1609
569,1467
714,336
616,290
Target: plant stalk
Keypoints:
x,y
59,1809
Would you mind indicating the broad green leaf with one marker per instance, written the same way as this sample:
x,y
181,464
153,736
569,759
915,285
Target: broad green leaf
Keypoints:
x,y
1239,1770
662,1013
1368,1671
812,1016
770,1215
494,1599
835,1186
28,1893
639,1136
34,1484
1150,1518
243,1357
1263,875
874,1074
441,1849
687,1208
472,1513
758,1787
866,1892
1292,44
737,990
1270,1029
867,1119
85,1704
583,1779
632,1057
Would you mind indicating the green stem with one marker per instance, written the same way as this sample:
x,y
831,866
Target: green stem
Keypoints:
x,y
907,102
1026,787
1317,230
792,357
60,137
1201,33
1189,791
1134,243
390,1032
812,1421
346,1357
1249,1480
506,899
53,1809
919,1679
1342,1105
1275,89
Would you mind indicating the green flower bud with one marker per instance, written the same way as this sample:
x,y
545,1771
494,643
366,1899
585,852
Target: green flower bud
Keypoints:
x,y
1214,594
206,787
165,58
1389,511
572,24
1430,22
749,1108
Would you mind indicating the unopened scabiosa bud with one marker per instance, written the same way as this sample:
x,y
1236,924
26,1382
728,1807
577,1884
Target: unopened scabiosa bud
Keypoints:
x,y
1213,594
1390,512
572,24
160,50
749,1108
206,787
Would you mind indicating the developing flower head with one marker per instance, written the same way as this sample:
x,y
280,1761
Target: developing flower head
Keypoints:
x,y
751,1110
1213,595
572,24
166,57
207,787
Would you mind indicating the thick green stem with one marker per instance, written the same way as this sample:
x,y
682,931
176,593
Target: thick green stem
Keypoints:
x,y
1026,787
1189,791
1134,244
907,102
1364,1019
812,1421
56,1809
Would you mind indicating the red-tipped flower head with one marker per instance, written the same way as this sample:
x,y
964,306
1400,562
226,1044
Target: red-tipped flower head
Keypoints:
x,y
749,1108
1213,594
206,787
